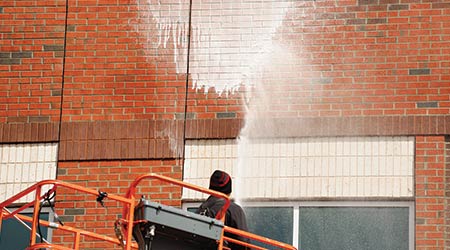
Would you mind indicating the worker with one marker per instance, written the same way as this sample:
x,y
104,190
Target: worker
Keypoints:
x,y
235,216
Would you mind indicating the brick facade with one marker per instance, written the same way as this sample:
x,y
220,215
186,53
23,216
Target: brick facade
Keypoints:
x,y
31,61
84,75
430,193
447,192
113,177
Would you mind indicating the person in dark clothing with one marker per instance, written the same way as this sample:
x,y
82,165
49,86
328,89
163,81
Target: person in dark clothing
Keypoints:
x,y
235,216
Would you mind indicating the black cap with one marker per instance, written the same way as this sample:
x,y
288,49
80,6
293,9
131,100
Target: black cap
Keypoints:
x,y
220,181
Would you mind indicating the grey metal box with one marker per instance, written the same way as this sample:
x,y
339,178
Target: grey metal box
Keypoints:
x,y
176,228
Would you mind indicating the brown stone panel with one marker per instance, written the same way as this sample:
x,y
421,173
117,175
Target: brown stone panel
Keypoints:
x,y
152,147
332,126
324,126
205,126
13,132
432,121
159,149
138,152
28,132
150,139
109,145
180,130
345,127
151,129
20,131
418,125
388,124
109,140
69,152
396,126
356,125
200,132
41,132
403,125
2,131
215,128
440,125
447,125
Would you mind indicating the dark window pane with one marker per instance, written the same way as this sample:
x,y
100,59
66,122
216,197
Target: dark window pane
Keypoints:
x,y
15,235
354,228
272,222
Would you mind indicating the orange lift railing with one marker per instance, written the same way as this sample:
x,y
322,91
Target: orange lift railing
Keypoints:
x,y
124,232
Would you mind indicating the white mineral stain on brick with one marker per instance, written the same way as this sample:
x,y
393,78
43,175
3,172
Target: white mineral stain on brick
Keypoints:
x,y
231,43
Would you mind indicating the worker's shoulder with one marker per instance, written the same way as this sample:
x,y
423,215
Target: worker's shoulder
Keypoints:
x,y
235,207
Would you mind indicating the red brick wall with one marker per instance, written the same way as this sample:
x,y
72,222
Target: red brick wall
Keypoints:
x,y
108,75
447,192
31,56
359,67
358,58
31,66
114,177
371,58
353,58
430,193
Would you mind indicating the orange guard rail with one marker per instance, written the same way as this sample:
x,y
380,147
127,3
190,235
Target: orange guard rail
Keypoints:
x,y
129,202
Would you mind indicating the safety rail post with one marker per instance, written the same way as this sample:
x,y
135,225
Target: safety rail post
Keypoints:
x,y
130,223
34,223
76,241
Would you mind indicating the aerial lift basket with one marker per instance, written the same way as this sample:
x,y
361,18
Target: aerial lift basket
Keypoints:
x,y
144,224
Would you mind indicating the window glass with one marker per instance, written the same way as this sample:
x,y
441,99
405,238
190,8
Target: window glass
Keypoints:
x,y
272,222
354,228
14,235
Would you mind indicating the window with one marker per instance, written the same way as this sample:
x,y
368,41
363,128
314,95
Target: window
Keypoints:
x,y
15,235
343,225
369,228
302,170
271,222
